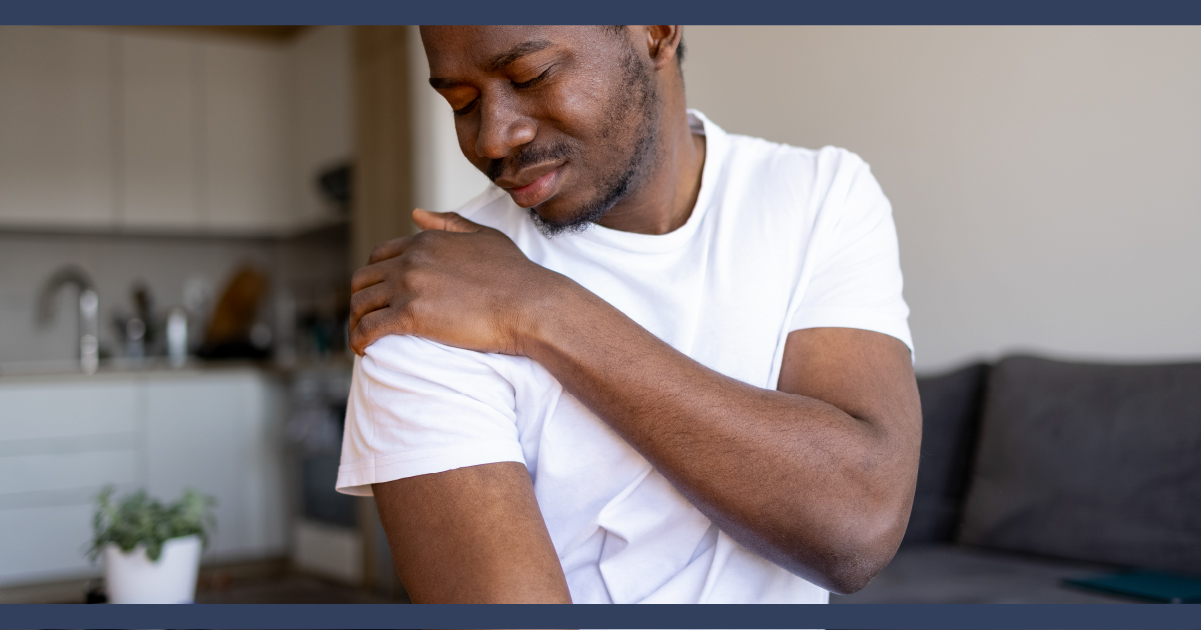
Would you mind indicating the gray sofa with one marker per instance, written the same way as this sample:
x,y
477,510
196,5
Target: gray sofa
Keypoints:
x,y
1034,470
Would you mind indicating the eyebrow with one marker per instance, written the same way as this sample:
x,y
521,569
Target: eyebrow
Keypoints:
x,y
499,61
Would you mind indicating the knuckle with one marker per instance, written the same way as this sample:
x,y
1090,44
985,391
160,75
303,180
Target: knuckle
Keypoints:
x,y
409,286
418,257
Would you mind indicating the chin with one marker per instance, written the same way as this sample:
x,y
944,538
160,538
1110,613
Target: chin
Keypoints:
x,y
557,211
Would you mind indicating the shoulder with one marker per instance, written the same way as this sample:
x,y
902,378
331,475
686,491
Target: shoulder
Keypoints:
x,y
403,361
790,187
809,174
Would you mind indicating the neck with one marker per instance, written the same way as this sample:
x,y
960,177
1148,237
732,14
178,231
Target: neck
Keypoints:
x,y
664,199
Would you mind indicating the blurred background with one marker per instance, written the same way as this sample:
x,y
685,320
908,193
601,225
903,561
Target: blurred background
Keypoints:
x,y
181,207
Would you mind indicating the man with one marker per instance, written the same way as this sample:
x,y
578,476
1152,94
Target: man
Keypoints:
x,y
656,363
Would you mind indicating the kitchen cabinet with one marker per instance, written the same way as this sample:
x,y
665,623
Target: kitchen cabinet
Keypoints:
x,y
57,149
321,83
160,139
64,437
245,137
219,433
106,129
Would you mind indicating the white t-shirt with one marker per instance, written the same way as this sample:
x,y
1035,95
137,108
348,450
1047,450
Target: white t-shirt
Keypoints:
x,y
781,239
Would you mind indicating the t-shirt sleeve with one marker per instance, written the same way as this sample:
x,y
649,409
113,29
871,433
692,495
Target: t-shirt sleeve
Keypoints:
x,y
856,280
417,407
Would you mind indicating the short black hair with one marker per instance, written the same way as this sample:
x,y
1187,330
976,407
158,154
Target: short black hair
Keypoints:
x,y
620,29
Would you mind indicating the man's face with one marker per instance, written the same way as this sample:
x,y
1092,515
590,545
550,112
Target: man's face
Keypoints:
x,y
563,118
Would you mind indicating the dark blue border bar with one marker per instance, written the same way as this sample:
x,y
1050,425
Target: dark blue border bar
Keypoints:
x,y
609,11
883,617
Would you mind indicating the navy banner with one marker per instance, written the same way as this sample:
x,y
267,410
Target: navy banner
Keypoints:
x,y
612,11
931,617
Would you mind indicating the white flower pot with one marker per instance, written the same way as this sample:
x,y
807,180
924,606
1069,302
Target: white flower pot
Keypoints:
x,y
132,578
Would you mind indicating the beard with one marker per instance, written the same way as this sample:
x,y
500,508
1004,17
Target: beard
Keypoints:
x,y
612,190
636,109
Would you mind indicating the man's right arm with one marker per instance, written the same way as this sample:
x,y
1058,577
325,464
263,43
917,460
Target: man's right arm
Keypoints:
x,y
471,535
431,432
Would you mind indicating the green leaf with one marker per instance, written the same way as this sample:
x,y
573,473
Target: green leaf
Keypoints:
x,y
139,519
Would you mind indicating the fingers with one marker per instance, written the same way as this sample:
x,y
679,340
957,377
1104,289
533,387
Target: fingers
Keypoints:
x,y
389,249
448,221
375,325
372,298
364,277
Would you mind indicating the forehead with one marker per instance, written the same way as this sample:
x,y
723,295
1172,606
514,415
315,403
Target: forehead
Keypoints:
x,y
455,49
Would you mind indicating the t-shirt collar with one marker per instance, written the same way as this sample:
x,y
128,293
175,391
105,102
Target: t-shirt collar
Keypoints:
x,y
715,147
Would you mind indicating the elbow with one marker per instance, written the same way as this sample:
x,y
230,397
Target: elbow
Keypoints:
x,y
854,563
845,558
852,574
868,548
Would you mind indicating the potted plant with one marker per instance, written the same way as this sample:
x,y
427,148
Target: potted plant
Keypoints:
x,y
151,552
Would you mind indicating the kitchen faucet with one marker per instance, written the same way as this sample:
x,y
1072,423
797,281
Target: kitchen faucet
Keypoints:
x,y
89,311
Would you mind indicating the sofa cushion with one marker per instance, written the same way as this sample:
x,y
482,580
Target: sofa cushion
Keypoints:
x,y
1100,463
950,415
948,574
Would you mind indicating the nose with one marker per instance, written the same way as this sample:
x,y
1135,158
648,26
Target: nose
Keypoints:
x,y
503,128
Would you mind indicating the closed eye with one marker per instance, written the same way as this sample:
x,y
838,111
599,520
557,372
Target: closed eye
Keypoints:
x,y
467,108
532,82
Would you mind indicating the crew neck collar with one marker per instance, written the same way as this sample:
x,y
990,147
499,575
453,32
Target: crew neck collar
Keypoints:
x,y
715,144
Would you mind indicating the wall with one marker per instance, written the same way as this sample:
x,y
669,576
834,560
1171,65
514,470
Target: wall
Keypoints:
x,y
1046,181
384,156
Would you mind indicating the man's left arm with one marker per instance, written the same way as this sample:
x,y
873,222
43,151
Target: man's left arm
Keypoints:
x,y
818,476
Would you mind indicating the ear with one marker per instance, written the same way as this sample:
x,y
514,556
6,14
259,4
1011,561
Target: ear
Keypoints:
x,y
662,42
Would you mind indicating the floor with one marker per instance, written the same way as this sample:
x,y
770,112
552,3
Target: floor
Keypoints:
x,y
268,582
932,575
292,589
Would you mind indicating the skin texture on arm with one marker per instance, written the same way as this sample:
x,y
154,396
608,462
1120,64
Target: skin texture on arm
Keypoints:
x,y
471,536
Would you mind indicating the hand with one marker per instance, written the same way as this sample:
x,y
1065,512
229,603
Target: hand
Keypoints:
x,y
457,283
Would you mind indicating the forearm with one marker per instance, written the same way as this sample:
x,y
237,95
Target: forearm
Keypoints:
x,y
794,478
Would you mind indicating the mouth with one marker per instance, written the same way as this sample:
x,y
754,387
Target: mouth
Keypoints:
x,y
543,186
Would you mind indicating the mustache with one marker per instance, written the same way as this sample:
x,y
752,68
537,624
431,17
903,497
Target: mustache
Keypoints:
x,y
526,157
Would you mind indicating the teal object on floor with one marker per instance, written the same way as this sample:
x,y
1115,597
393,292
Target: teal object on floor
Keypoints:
x,y
1160,587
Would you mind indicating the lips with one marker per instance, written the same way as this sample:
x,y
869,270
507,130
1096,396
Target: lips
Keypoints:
x,y
543,187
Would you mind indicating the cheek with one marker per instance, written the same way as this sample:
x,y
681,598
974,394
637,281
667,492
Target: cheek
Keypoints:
x,y
578,109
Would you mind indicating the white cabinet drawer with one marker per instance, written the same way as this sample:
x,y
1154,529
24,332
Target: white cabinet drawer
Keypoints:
x,y
39,473
65,409
45,543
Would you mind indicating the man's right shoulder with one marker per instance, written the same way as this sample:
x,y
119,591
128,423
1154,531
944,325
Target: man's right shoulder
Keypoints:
x,y
406,356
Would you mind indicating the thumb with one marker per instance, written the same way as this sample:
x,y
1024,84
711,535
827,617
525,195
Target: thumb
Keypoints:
x,y
449,221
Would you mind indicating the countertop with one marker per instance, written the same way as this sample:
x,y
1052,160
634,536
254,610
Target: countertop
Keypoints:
x,y
159,366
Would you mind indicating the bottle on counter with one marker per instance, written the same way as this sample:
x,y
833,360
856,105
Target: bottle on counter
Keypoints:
x,y
177,336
